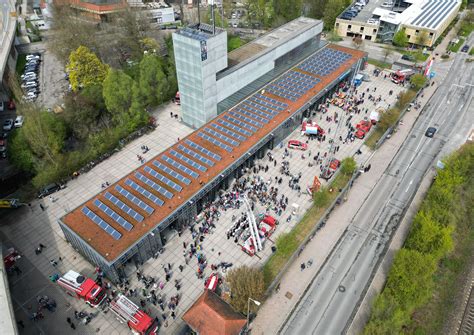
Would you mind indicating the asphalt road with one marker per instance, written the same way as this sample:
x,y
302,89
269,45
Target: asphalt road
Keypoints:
x,y
329,302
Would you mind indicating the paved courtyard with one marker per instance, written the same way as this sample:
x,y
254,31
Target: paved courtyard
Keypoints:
x,y
28,227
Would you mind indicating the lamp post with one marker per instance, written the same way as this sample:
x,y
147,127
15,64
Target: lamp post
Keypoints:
x,y
248,309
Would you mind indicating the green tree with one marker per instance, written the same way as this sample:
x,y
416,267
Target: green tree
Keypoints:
x,y
245,282
117,92
428,237
400,39
288,10
153,83
387,316
85,111
388,118
410,279
418,81
20,153
331,11
348,166
422,38
85,69
316,8
261,12
322,197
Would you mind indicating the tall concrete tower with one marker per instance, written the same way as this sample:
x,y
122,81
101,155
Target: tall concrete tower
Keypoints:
x,y
200,52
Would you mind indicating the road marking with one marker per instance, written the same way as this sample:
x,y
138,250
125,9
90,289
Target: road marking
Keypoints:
x,y
409,184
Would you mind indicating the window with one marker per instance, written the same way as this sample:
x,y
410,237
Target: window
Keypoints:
x,y
349,27
368,37
408,36
417,32
431,34
361,28
375,31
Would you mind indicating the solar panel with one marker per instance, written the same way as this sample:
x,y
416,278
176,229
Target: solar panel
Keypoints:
x,y
187,160
203,150
215,142
195,155
252,115
164,180
234,127
222,137
240,123
123,207
177,165
101,223
135,200
144,192
171,172
111,213
246,119
228,132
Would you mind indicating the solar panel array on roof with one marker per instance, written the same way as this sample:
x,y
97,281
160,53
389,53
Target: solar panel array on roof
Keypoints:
x,y
292,85
164,180
433,13
261,108
216,142
234,127
144,192
101,223
171,172
271,100
252,115
187,160
111,213
135,200
257,98
222,137
240,123
325,62
228,132
123,207
195,155
203,150
179,166
246,119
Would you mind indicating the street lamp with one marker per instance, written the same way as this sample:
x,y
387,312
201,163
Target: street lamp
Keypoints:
x,y
248,309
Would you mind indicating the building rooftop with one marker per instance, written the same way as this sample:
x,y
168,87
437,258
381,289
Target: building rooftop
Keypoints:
x,y
115,219
271,40
211,315
200,32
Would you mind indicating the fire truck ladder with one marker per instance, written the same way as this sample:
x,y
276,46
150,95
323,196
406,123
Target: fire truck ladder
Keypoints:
x,y
126,309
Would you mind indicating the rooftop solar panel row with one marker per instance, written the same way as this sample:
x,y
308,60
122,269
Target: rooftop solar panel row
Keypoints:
x,y
164,180
111,213
203,150
101,223
240,123
193,154
180,166
135,200
172,173
222,137
245,119
228,132
144,192
153,185
252,115
215,142
123,207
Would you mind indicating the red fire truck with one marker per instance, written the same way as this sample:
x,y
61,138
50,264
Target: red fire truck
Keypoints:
x,y
82,288
138,322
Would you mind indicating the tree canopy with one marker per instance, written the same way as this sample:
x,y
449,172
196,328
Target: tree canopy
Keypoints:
x,y
117,93
400,39
418,81
85,69
153,83
331,11
244,283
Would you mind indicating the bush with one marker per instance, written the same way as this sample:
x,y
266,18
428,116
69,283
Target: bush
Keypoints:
x,y
245,283
418,81
348,166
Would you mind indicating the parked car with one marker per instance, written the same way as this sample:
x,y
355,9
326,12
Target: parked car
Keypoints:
x,y
430,132
32,56
465,48
19,121
29,84
387,4
8,124
408,57
49,189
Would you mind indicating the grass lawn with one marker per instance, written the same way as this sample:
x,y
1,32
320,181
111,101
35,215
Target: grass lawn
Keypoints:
x,y
380,64
20,63
417,55
373,138
466,29
457,46
288,243
234,42
471,52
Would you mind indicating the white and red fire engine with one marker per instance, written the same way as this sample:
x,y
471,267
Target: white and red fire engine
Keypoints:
x,y
76,285
139,322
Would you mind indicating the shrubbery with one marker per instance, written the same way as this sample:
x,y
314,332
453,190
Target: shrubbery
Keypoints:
x,y
411,280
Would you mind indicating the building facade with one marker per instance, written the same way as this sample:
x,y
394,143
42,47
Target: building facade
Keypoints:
x,y
207,75
8,53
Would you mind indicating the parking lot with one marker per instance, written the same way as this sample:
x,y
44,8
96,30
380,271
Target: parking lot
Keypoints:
x,y
29,227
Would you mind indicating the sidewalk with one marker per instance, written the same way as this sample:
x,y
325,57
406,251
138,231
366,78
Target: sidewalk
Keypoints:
x,y
295,281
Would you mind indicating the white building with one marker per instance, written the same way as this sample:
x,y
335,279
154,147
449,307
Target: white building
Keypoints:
x,y
8,54
210,80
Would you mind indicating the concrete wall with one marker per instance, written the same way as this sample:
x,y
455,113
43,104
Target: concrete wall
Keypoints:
x,y
352,28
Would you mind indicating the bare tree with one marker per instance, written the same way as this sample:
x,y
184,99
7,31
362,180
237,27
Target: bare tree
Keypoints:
x,y
387,52
357,42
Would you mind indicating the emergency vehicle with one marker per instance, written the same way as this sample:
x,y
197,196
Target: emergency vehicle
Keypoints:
x,y
139,322
76,285
401,75
295,144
